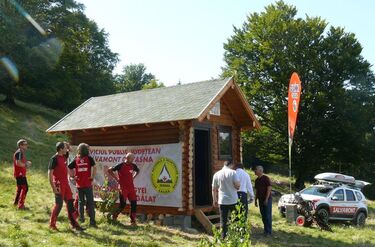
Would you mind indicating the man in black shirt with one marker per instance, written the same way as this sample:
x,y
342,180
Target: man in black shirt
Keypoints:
x,y
263,194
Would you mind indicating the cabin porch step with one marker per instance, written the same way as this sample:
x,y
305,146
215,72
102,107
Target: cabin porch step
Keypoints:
x,y
207,221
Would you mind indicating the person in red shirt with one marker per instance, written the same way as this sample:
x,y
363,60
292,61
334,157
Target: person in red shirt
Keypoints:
x,y
126,172
58,178
82,169
20,165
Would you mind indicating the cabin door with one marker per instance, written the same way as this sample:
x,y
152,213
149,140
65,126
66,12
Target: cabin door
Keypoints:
x,y
202,167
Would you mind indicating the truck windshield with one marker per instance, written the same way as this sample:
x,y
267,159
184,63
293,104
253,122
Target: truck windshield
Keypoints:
x,y
316,191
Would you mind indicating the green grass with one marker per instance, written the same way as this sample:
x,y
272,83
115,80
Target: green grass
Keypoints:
x,y
28,121
285,234
30,228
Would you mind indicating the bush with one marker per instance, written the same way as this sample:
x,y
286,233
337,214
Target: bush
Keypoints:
x,y
108,204
238,232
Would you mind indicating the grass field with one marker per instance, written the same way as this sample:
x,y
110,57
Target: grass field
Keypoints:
x,y
30,228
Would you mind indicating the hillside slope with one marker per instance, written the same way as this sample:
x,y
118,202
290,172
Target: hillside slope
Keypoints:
x,y
28,121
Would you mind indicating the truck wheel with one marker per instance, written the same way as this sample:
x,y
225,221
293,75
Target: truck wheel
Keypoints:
x,y
308,223
360,219
282,213
301,220
323,214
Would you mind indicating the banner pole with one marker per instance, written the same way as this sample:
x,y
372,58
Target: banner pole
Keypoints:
x,y
290,165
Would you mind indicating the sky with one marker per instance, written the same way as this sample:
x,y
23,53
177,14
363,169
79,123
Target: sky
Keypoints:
x,y
182,41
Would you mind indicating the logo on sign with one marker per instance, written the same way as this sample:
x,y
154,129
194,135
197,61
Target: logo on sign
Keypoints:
x,y
294,88
295,105
164,176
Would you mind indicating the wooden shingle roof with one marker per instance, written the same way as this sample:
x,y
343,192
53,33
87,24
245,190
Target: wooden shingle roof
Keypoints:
x,y
181,102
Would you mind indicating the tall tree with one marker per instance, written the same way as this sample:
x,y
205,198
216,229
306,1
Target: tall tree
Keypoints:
x,y
67,63
133,78
335,125
153,84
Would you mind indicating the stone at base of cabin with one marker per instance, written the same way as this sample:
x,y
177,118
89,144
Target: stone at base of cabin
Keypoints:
x,y
142,217
191,230
161,217
168,220
158,222
149,217
182,220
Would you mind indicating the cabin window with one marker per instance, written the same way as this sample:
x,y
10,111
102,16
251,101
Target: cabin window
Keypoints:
x,y
225,142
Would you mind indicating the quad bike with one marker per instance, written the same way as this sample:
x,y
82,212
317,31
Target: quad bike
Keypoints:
x,y
307,215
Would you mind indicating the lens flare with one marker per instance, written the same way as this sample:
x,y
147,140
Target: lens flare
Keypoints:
x,y
10,67
23,12
49,51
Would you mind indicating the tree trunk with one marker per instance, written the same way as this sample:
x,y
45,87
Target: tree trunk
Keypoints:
x,y
9,100
300,181
9,92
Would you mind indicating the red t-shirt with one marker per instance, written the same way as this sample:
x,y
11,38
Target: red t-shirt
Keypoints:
x,y
19,171
59,167
125,174
261,184
82,167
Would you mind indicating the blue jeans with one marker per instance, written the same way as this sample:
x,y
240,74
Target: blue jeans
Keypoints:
x,y
266,212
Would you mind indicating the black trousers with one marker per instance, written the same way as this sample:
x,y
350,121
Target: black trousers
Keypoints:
x,y
86,197
225,210
244,203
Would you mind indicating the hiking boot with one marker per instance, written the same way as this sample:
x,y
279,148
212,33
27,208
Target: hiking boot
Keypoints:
x,y
53,228
23,208
78,228
93,225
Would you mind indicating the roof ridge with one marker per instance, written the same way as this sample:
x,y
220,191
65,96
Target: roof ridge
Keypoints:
x,y
227,80
162,88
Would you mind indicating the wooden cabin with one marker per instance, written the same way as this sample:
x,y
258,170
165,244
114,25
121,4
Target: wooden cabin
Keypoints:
x,y
205,119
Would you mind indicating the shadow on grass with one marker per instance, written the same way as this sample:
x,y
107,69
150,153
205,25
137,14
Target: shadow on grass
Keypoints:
x,y
291,239
149,231
170,233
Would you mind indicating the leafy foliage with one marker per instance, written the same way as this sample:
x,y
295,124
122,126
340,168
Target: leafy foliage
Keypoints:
x,y
238,231
108,204
153,84
133,78
67,63
335,127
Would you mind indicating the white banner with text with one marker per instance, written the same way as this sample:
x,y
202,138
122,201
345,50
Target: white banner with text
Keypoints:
x,y
159,180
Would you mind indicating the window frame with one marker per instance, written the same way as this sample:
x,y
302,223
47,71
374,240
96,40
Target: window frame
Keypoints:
x,y
346,196
225,129
343,195
358,195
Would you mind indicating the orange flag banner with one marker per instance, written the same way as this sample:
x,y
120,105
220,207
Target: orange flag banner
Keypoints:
x,y
294,94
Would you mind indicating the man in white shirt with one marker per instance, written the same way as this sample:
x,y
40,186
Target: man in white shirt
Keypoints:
x,y
246,188
225,184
